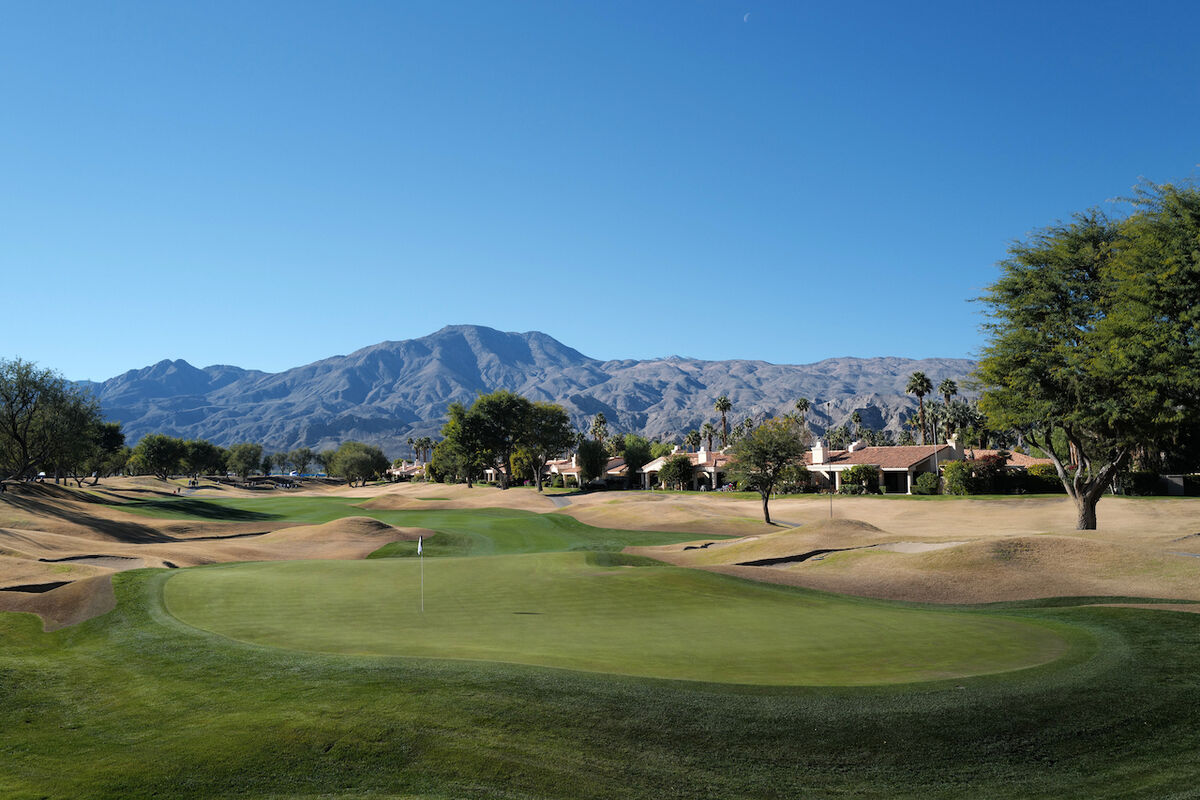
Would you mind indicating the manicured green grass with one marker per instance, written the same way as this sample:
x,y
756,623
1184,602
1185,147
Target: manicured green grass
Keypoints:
x,y
139,704
487,531
567,610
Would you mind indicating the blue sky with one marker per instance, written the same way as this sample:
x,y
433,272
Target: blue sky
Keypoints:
x,y
266,184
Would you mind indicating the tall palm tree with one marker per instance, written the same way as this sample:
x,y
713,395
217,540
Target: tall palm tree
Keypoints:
x,y
600,427
856,418
411,442
947,389
802,409
722,407
708,432
920,385
692,440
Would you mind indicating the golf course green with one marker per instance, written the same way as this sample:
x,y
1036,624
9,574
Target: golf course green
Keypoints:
x,y
599,613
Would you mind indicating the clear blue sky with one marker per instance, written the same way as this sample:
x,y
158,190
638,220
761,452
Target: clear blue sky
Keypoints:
x,y
266,184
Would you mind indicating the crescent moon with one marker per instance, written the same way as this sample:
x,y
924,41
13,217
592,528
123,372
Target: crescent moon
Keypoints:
x,y
746,18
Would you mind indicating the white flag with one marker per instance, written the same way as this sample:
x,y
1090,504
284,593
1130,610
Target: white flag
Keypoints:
x,y
419,545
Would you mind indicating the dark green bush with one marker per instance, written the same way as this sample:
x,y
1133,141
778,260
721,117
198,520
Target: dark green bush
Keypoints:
x,y
860,479
1142,483
926,483
957,476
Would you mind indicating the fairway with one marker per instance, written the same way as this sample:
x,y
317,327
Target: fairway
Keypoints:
x,y
598,612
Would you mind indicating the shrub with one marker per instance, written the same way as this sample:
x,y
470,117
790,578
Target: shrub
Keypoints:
x,y
988,474
1042,479
1142,483
860,479
557,483
957,475
926,483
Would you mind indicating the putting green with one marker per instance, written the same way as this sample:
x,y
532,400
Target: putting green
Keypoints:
x,y
591,612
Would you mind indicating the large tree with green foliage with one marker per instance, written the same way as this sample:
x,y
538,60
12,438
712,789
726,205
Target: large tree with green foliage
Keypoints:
x,y
761,460
244,458
1094,339
638,452
44,421
202,457
547,434
676,471
357,461
160,454
463,452
592,459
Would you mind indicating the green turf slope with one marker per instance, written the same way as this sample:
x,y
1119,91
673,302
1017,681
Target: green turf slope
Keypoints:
x,y
595,613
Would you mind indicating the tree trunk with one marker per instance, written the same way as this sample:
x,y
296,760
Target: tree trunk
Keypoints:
x,y
766,513
1085,504
539,479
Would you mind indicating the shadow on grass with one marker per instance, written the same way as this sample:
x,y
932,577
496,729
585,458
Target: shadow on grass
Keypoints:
x,y
201,509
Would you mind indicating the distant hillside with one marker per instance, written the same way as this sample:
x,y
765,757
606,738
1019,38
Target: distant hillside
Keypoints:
x,y
390,391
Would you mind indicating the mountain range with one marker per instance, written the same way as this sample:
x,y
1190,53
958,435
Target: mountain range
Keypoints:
x,y
388,392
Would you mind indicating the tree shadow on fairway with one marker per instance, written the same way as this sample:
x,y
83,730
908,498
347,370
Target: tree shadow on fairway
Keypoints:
x,y
201,509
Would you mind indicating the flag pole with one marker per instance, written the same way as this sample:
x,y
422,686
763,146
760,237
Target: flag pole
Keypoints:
x,y
421,557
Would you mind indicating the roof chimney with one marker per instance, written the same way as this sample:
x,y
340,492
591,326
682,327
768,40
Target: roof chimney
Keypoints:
x,y
818,452
856,445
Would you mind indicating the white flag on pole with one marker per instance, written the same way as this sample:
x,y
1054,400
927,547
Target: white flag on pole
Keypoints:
x,y
419,544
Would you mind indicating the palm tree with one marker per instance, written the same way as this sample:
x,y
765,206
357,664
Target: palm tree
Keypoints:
x,y
692,440
411,447
947,389
722,407
856,418
919,384
802,409
600,427
708,432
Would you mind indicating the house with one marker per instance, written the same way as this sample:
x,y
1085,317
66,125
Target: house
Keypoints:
x,y
898,466
707,468
614,470
405,472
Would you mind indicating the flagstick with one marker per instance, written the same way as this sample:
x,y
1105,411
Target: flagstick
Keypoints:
x,y
422,557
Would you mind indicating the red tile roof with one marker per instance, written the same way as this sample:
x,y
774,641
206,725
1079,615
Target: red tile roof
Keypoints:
x,y
1014,459
898,457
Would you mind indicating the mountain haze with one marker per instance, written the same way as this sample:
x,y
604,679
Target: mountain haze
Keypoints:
x,y
391,391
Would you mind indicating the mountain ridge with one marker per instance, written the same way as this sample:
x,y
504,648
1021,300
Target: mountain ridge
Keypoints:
x,y
389,391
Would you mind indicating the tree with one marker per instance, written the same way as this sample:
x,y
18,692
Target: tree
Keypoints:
x,y
638,453
708,432
856,419
547,433
676,471
161,455
72,424
202,457
722,407
42,419
948,388
463,452
692,439
324,460
773,449
244,458
920,385
599,429
592,461
356,461
1094,339
660,449
300,458
281,461
802,411
502,418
